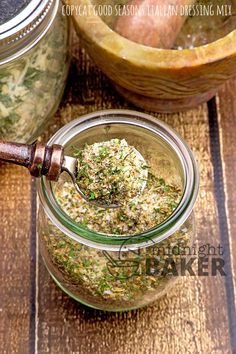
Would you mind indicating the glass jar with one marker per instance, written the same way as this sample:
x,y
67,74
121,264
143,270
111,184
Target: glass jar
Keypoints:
x,y
119,272
34,62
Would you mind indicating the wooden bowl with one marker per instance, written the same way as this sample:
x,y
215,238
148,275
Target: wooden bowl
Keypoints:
x,y
157,79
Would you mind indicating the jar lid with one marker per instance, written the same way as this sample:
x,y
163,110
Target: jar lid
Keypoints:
x,y
23,24
9,9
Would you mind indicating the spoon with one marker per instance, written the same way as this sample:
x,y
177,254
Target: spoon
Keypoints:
x,y
50,161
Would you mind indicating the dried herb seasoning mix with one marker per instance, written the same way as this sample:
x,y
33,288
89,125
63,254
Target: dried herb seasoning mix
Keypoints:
x,y
126,257
33,72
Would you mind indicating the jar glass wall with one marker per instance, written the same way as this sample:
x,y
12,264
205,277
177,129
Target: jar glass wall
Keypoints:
x,y
32,80
129,269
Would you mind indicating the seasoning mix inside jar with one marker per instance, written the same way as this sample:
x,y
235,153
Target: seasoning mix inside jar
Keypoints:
x,y
118,258
34,62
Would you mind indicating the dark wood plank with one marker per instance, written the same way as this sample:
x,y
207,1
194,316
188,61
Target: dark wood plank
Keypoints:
x,y
15,261
227,127
187,319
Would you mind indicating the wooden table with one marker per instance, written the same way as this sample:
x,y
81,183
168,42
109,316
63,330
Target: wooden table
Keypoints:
x,y
197,316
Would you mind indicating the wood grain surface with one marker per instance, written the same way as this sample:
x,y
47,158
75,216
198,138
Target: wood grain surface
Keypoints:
x,y
15,258
197,316
227,129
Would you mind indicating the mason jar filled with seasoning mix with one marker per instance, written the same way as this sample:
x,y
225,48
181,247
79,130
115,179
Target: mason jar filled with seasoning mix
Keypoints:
x,y
127,255
34,62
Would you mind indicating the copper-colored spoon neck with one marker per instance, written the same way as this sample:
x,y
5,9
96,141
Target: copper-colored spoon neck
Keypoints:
x,y
40,159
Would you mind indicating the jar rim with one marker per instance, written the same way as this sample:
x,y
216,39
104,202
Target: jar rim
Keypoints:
x,y
113,242
25,30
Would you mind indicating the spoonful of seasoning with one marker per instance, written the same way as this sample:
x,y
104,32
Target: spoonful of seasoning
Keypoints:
x,y
105,173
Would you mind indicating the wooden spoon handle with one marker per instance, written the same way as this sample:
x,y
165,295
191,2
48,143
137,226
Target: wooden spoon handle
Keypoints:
x,y
40,159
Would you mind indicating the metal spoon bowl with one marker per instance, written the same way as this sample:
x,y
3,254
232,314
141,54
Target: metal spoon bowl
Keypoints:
x,y
70,165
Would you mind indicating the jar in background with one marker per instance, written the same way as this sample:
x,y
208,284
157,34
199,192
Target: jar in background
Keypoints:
x,y
118,272
34,63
